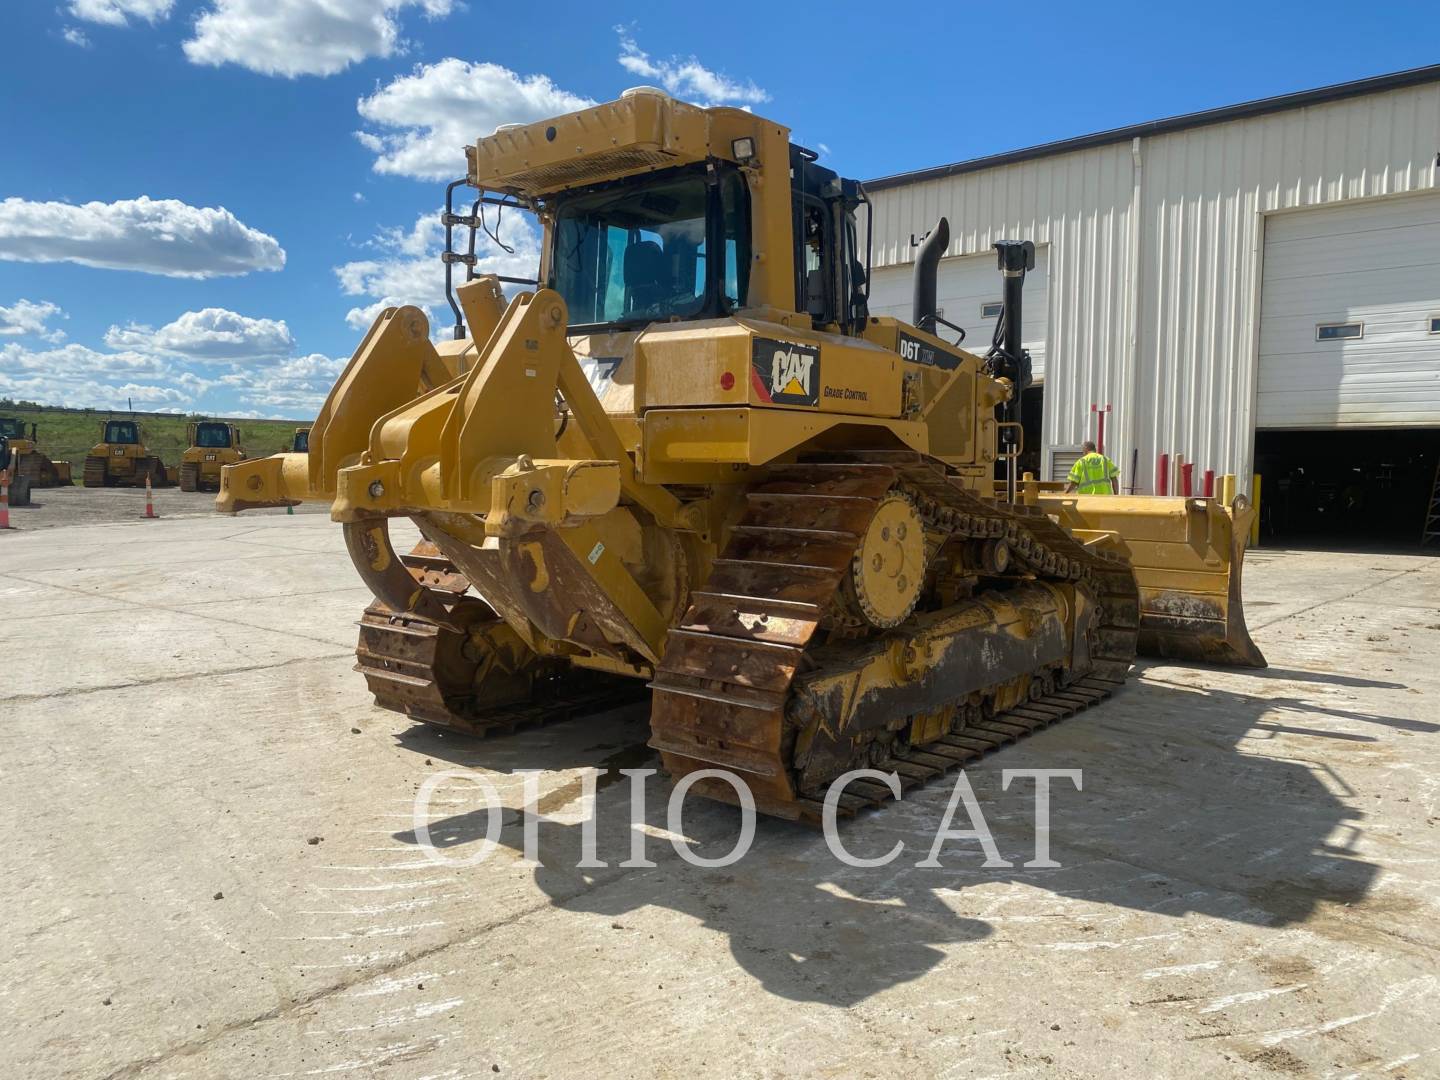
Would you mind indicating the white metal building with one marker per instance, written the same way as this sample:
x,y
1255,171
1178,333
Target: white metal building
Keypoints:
x,y
1270,266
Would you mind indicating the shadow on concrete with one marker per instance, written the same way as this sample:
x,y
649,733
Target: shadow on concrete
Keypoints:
x,y
1328,677
505,754
1182,812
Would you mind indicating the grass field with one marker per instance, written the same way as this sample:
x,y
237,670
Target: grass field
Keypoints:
x,y
68,434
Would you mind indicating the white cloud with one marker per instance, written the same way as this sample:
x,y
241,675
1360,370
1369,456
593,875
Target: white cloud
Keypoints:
x,y
209,335
407,267
27,318
434,112
236,358
301,37
119,12
686,77
75,36
156,236
80,377
297,387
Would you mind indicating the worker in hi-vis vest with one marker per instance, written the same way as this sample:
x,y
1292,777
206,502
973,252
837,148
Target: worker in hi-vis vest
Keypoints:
x,y
1094,473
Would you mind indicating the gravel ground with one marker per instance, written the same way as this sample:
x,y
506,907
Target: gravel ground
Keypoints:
x,y
55,507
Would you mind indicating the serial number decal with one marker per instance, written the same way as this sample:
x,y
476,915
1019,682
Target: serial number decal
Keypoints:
x,y
786,373
923,352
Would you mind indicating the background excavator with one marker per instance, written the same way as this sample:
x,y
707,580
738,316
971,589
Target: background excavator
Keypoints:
x,y
687,457
212,445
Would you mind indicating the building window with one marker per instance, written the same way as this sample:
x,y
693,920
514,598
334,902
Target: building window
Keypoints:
x,y
991,310
1435,324
1332,331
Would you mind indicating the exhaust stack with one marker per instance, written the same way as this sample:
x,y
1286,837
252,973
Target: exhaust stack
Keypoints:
x,y
927,268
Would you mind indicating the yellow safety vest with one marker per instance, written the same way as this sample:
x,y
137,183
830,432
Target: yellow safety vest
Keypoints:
x,y
1092,474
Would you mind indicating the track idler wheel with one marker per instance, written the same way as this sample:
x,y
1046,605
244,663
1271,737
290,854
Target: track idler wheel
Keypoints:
x,y
887,572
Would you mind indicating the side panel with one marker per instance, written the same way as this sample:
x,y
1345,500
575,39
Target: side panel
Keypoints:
x,y
746,362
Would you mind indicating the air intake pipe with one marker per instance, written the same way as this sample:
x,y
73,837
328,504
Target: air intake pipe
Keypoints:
x,y
927,269
1007,352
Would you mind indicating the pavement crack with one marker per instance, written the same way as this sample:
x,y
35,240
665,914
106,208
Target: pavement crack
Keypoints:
x,y
279,1012
1343,597
187,677
186,610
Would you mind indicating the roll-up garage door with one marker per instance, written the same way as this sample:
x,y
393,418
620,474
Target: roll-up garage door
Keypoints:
x,y
1350,316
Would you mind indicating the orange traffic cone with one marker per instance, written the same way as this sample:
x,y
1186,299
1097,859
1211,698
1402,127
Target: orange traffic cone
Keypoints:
x,y
5,500
149,499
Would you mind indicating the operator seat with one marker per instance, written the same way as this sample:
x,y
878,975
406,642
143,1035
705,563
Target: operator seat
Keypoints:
x,y
644,274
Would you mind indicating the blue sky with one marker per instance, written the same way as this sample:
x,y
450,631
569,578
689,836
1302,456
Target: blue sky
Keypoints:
x,y
255,177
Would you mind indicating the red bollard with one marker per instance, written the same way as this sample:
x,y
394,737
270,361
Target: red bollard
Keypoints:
x,y
5,500
1162,475
1187,478
149,498
1209,483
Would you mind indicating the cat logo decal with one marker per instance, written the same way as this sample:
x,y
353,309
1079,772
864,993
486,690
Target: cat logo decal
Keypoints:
x,y
786,373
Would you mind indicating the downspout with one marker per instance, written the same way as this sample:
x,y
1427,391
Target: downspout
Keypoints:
x,y
1130,379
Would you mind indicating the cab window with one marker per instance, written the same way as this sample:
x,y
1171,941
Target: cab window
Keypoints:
x,y
214,436
812,259
677,246
121,431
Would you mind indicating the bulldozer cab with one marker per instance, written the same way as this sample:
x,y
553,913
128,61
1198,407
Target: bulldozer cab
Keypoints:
x,y
120,432
212,436
300,444
679,244
11,428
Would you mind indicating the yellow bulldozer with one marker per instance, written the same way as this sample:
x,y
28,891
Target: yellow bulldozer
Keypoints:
x,y
27,460
686,457
121,459
212,445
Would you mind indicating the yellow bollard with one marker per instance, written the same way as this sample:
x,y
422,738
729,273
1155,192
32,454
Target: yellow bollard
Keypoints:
x,y
1255,502
1030,489
1227,489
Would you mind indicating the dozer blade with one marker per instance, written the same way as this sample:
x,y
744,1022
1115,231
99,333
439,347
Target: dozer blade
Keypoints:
x,y
1187,554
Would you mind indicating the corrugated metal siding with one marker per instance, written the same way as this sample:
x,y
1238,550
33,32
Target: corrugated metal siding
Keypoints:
x,y
1187,383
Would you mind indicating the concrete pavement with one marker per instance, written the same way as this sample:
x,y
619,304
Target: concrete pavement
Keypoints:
x,y
211,873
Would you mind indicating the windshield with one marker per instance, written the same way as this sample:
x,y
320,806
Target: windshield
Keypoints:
x,y
212,435
121,431
13,429
638,252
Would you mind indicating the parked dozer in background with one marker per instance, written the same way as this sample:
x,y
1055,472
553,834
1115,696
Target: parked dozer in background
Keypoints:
x,y
688,457
28,460
121,459
18,493
213,445
300,444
